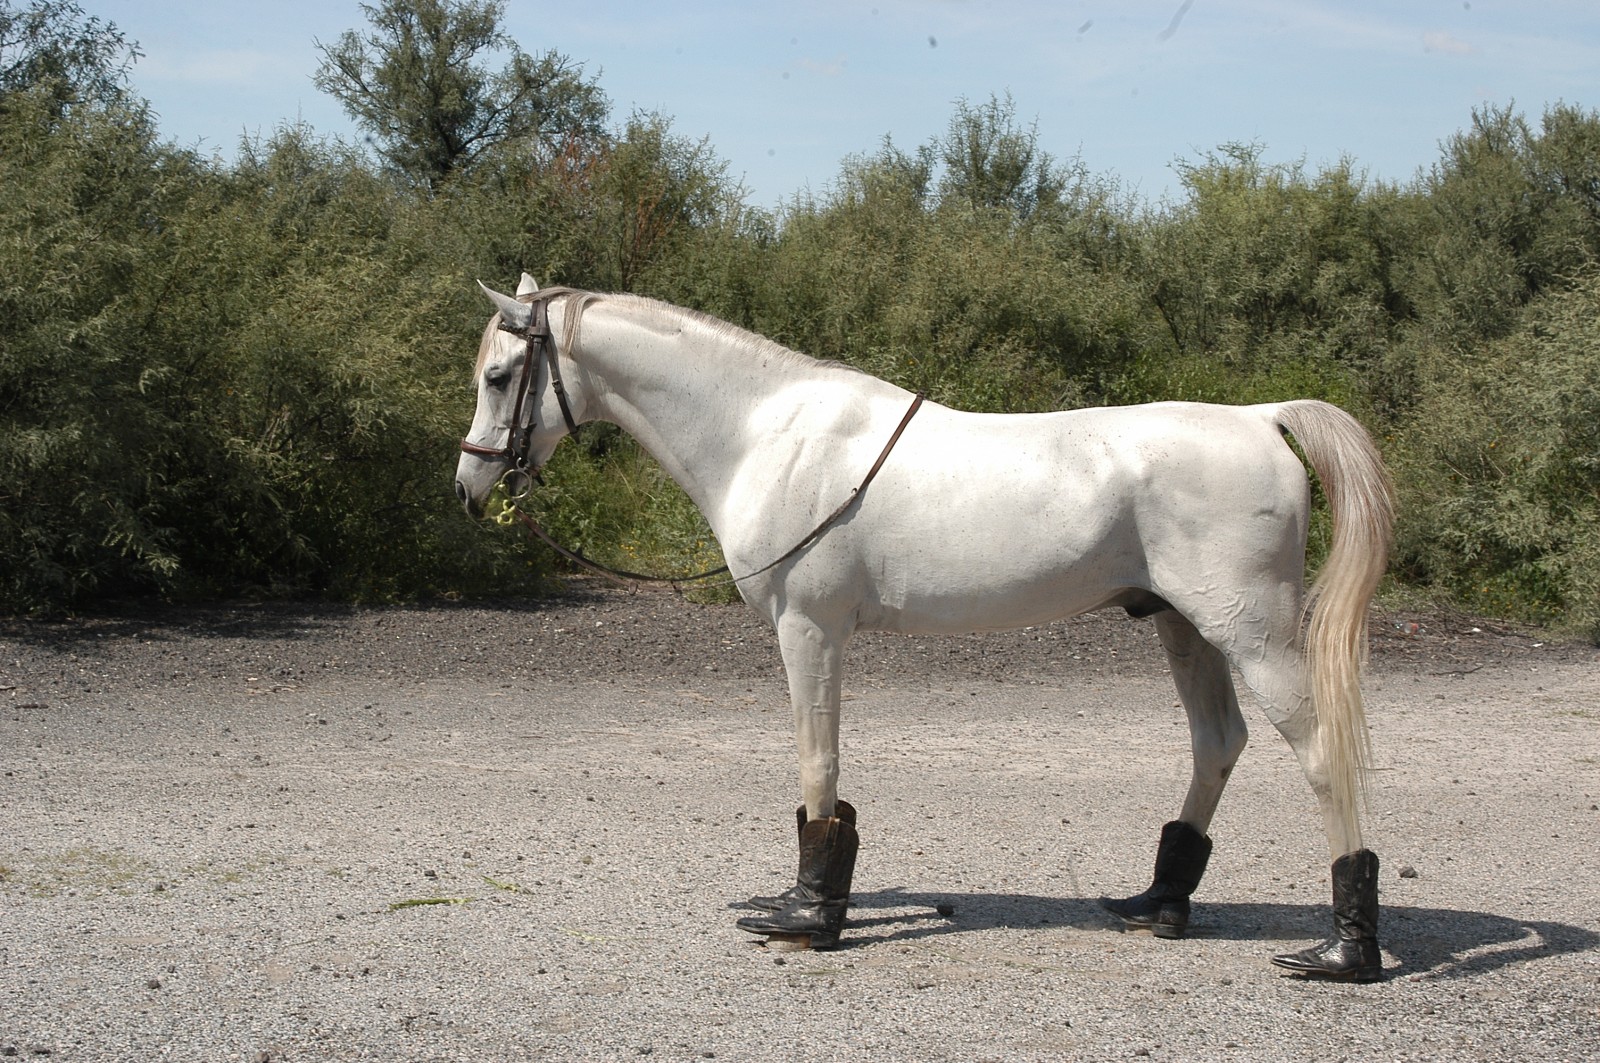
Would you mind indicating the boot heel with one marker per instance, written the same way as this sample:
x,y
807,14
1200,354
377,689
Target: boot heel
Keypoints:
x,y
1171,922
816,941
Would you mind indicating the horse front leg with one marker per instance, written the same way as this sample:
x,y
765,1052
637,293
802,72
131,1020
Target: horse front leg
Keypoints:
x,y
1217,736
811,913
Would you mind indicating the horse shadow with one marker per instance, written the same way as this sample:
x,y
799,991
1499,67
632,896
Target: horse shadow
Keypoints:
x,y
1428,943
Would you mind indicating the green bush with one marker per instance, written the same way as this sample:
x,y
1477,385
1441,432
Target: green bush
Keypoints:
x,y
85,457
251,378
1501,468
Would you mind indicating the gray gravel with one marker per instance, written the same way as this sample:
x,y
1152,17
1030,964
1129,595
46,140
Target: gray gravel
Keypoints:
x,y
278,832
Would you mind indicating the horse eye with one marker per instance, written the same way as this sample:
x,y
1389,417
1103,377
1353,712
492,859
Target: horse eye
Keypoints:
x,y
496,376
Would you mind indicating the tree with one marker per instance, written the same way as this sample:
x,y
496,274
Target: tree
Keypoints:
x,y
991,162
417,81
51,42
83,193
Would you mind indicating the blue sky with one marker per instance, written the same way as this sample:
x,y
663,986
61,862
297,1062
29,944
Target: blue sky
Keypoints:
x,y
784,92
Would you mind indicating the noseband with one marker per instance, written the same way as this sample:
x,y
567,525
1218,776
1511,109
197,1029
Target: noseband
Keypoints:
x,y
519,436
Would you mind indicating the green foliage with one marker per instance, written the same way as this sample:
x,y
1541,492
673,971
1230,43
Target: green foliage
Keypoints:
x,y
1502,464
980,285
51,45
1514,213
250,379
990,163
81,451
223,382
1259,254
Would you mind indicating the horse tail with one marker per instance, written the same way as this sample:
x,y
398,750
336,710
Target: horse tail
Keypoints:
x,y
1361,498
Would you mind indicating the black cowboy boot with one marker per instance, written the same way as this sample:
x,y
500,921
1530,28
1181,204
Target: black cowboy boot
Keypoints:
x,y
1351,955
772,903
816,912
1163,909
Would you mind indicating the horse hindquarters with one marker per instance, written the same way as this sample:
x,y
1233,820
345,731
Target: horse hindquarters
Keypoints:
x,y
1312,697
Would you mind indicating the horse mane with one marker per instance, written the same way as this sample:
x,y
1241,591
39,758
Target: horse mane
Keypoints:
x,y
578,301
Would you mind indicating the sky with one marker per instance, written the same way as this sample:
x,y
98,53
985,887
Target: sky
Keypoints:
x,y
785,93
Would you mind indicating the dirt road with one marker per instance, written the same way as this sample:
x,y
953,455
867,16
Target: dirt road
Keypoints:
x,y
467,833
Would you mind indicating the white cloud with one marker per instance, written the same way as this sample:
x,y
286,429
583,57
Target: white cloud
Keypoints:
x,y
825,68
1439,41
227,67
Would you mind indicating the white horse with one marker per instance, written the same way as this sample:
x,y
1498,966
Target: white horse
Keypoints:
x,y
1192,514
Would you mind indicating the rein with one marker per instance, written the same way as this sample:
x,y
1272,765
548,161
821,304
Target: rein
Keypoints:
x,y
622,577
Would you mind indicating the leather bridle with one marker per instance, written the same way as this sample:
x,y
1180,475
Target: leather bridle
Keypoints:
x,y
539,347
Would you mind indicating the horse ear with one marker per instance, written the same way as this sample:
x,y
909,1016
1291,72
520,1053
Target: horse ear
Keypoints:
x,y
527,286
512,312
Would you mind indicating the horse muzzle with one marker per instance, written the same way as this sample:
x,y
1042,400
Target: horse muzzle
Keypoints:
x,y
473,506
478,471
515,477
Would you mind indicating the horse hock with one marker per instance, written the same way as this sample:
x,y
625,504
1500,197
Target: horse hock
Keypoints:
x,y
1351,955
1163,909
777,902
813,913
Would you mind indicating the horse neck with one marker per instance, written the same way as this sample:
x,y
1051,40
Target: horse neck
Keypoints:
x,y
681,386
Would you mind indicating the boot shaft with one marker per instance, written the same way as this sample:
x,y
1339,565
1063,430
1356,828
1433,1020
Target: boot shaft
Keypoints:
x,y
1355,895
842,809
1181,859
828,857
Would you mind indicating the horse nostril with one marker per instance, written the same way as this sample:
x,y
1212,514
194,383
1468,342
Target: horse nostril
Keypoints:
x,y
461,492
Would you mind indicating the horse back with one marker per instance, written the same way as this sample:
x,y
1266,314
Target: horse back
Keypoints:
x,y
986,522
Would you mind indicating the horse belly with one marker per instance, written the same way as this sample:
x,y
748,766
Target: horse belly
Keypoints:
x,y
993,564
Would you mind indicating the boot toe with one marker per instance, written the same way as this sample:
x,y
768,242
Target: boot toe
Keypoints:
x,y
1335,961
1164,918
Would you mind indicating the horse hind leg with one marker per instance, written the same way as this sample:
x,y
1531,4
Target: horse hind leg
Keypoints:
x,y
1217,737
1351,953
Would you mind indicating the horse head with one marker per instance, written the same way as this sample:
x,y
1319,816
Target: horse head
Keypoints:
x,y
522,410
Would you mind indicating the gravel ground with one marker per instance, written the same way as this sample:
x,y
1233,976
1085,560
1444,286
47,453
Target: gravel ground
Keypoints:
x,y
514,832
